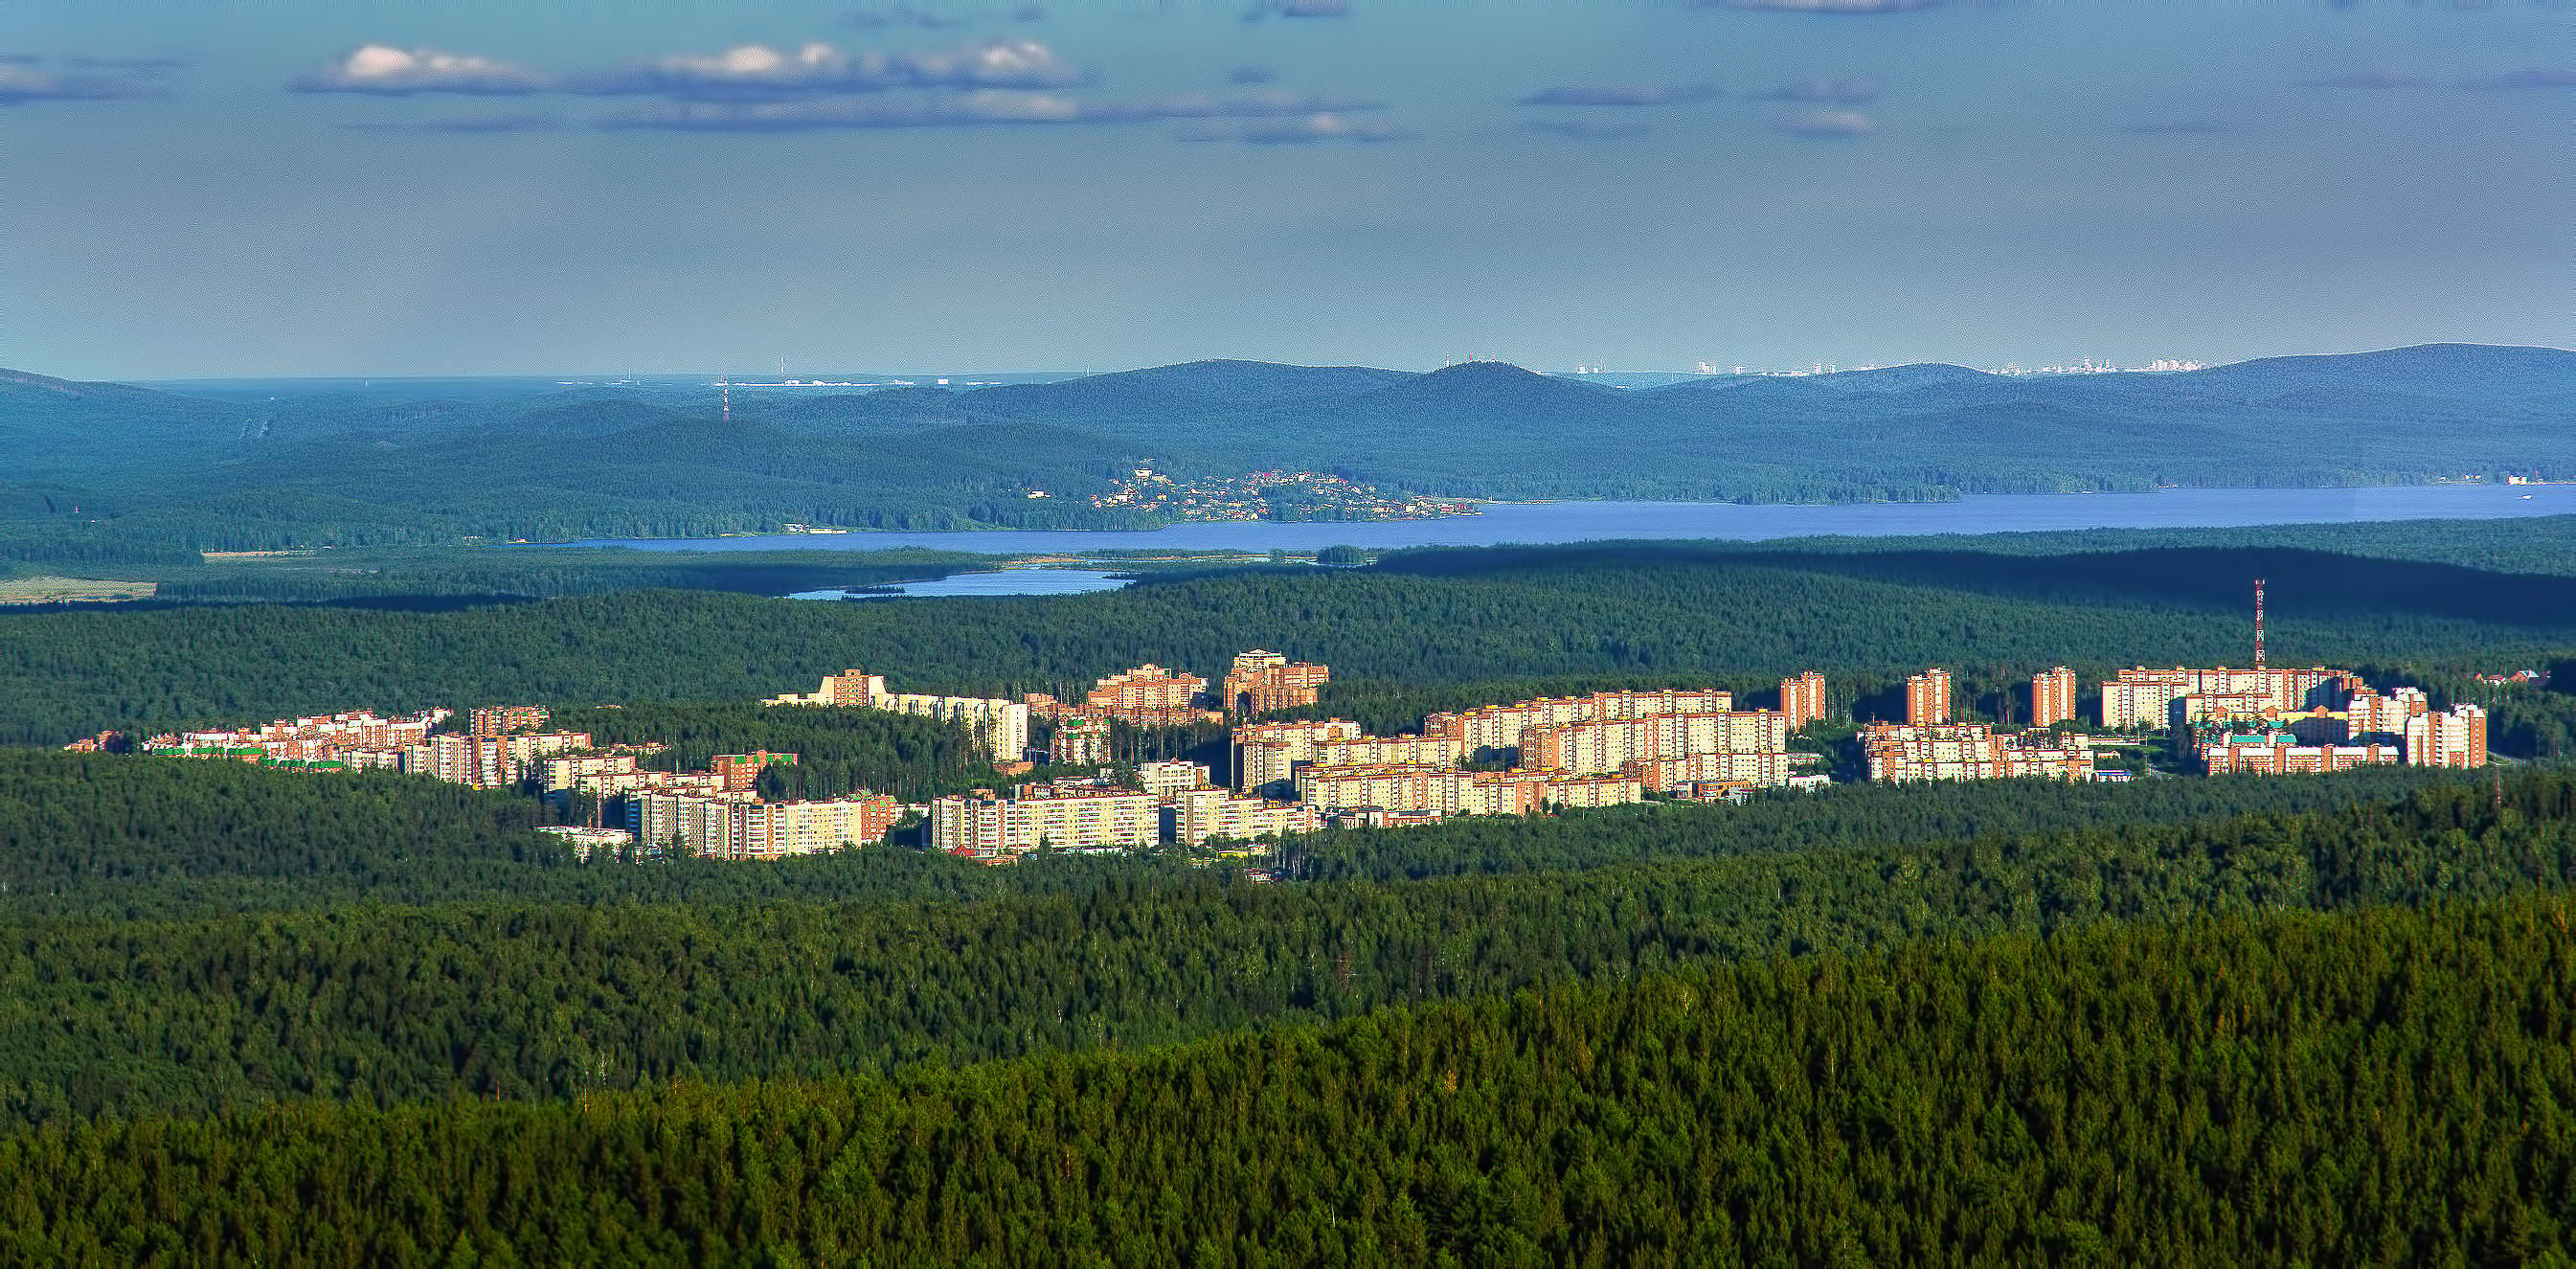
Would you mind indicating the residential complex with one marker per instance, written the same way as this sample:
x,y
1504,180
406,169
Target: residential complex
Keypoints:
x,y
1901,753
1000,727
362,741
2142,697
1927,698
1062,816
733,825
1263,681
1148,695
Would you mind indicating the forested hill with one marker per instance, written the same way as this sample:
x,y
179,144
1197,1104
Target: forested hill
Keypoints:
x,y
99,463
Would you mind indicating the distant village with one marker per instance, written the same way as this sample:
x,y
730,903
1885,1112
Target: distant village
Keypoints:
x,y
1283,778
1269,495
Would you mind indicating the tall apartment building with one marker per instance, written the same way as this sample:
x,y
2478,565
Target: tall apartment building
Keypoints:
x,y
2141,697
1802,699
734,825
1261,681
1000,727
1927,698
983,826
2052,697
1199,814
2457,738
1767,769
487,762
2367,713
501,720
1147,689
1266,754
1608,745
1972,751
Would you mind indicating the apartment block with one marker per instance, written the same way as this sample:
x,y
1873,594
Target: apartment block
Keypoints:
x,y
1066,817
1765,769
1000,727
1599,748
2367,713
1168,779
2052,697
2275,753
2457,738
739,772
1200,814
501,720
1080,740
1927,698
1261,681
1148,690
1266,754
1499,727
1972,751
1430,790
2140,697
734,825
1802,699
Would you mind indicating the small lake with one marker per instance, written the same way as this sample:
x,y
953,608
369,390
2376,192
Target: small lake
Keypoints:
x,y
1000,581
1551,522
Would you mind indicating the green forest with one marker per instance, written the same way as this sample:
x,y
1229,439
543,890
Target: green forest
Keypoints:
x,y
2377,1086
253,1014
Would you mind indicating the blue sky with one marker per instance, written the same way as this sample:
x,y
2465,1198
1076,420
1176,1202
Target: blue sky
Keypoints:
x,y
487,188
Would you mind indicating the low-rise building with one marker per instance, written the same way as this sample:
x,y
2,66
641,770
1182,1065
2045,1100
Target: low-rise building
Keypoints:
x,y
2279,753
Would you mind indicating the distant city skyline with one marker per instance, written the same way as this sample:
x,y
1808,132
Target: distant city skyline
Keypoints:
x,y
368,189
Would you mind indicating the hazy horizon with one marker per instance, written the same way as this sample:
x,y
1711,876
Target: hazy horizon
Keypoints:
x,y
371,189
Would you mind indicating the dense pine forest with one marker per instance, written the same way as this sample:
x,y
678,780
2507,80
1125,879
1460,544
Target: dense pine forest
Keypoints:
x,y
258,1014
2380,1086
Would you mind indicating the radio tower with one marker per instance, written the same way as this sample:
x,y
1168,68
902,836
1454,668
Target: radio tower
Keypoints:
x,y
2258,623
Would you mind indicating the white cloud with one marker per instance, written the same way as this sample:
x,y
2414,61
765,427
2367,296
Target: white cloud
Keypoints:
x,y
752,72
385,70
984,107
1824,124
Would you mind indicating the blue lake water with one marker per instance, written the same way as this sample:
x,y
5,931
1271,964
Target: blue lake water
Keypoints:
x,y
1550,522
1002,581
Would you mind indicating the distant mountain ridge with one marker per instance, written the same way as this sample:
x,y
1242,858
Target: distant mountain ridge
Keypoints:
x,y
342,464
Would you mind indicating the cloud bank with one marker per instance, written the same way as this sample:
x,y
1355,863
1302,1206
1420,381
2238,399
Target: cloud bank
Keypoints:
x,y
1571,95
981,108
1824,124
22,83
753,72
384,70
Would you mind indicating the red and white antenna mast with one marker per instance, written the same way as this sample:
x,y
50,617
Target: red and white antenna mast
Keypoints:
x,y
2258,623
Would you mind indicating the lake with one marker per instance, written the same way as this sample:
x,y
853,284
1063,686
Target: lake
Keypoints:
x,y
1550,522
1001,581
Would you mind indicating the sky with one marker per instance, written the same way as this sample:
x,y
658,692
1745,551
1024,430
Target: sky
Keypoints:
x,y
367,188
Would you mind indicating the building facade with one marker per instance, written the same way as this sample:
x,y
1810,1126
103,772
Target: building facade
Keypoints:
x,y
1262,681
2052,697
1063,817
1972,751
1802,699
1927,698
